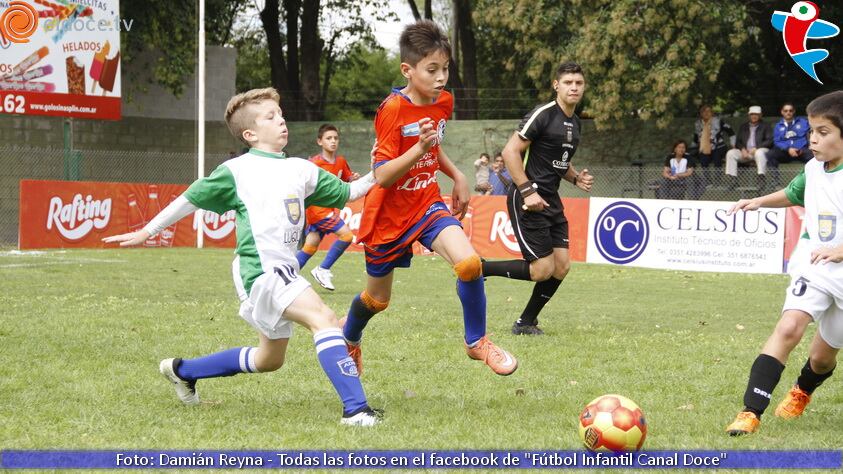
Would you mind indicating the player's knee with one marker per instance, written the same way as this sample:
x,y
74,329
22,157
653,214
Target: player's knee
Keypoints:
x,y
561,269
374,305
541,269
469,269
790,328
309,249
346,236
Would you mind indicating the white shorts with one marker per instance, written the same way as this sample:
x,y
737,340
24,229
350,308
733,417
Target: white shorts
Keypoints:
x,y
263,308
824,308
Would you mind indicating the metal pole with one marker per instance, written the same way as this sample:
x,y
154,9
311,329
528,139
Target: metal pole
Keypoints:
x,y
200,100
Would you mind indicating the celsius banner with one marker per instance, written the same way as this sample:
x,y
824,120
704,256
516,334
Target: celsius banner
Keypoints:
x,y
64,214
685,235
60,58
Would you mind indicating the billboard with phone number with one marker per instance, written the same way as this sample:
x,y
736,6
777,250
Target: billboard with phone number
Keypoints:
x,y
60,58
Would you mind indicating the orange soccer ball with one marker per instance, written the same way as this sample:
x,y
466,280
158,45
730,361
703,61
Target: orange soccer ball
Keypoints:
x,y
612,423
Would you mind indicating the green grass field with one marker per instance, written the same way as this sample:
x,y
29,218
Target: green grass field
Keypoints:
x,y
82,333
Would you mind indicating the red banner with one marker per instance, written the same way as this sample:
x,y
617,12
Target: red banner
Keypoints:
x,y
792,230
67,214
488,227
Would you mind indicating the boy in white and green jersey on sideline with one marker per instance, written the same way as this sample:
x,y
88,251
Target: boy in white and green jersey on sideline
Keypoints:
x,y
815,293
269,193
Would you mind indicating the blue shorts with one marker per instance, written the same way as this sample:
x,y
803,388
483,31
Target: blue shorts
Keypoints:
x,y
328,225
382,259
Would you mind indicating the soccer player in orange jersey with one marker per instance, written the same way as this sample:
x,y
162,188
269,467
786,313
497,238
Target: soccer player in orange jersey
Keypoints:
x,y
325,220
406,206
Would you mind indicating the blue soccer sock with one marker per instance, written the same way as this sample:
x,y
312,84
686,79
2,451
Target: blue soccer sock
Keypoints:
x,y
340,369
334,253
362,309
473,299
303,257
221,364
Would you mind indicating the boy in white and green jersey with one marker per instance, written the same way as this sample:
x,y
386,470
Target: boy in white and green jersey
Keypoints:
x,y
815,293
269,192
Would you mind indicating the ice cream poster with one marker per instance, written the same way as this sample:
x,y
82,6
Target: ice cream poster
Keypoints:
x,y
61,57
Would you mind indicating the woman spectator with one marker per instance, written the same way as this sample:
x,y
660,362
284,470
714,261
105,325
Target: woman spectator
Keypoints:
x,y
677,171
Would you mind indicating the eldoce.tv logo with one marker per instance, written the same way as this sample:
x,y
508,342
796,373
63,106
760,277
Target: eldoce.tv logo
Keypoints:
x,y
18,22
621,232
797,27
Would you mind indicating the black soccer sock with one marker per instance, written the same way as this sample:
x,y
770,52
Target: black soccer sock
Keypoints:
x,y
542,292
809,380
515,269
763,377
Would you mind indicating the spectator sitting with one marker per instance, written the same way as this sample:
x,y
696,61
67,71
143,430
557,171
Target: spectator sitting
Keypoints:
x,y
499,178
481,174
790,137
754,140
708,136
678,168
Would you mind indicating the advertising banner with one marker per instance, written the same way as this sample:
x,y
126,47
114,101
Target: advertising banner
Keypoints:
x,y
60,58
685,235
488,227
68,214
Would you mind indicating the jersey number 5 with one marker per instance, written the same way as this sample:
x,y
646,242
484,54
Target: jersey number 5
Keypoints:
x,y
800,285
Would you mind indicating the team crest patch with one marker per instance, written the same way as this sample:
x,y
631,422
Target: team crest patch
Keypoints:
x,y
440,131
348,367
827,227
293,210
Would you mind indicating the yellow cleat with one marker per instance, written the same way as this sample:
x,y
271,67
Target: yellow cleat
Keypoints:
x,y
745,423
794,403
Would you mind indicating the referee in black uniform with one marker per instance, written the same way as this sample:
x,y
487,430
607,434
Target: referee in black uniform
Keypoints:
x,y
538,157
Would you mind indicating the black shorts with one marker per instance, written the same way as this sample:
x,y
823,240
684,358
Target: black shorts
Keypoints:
x,y
538,233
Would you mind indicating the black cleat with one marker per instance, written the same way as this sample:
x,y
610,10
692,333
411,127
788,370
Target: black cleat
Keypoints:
x,y
526,330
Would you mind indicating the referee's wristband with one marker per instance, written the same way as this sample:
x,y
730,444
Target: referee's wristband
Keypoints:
x,y
527,189
576,178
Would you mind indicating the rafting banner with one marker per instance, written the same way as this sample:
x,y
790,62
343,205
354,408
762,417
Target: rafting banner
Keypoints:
x,y
60,57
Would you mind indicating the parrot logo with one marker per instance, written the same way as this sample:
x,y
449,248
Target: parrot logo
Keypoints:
x,y
801,24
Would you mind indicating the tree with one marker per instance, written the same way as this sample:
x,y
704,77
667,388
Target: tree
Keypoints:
x,y
298,51
761,72
363,78
170,30
463,54
650,59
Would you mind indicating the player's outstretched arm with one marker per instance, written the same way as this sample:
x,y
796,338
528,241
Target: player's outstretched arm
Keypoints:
x,y
461,194
776,199
174,212
389,172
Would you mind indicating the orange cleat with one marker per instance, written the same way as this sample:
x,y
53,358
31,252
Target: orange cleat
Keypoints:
x,y
745,423
794,403
500,361
353,350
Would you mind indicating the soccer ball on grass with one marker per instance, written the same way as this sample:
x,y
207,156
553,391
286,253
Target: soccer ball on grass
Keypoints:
x,y
612,423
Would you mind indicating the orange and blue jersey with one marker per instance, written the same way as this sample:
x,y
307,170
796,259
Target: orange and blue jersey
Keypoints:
x,y
325,219
412,208
389,212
